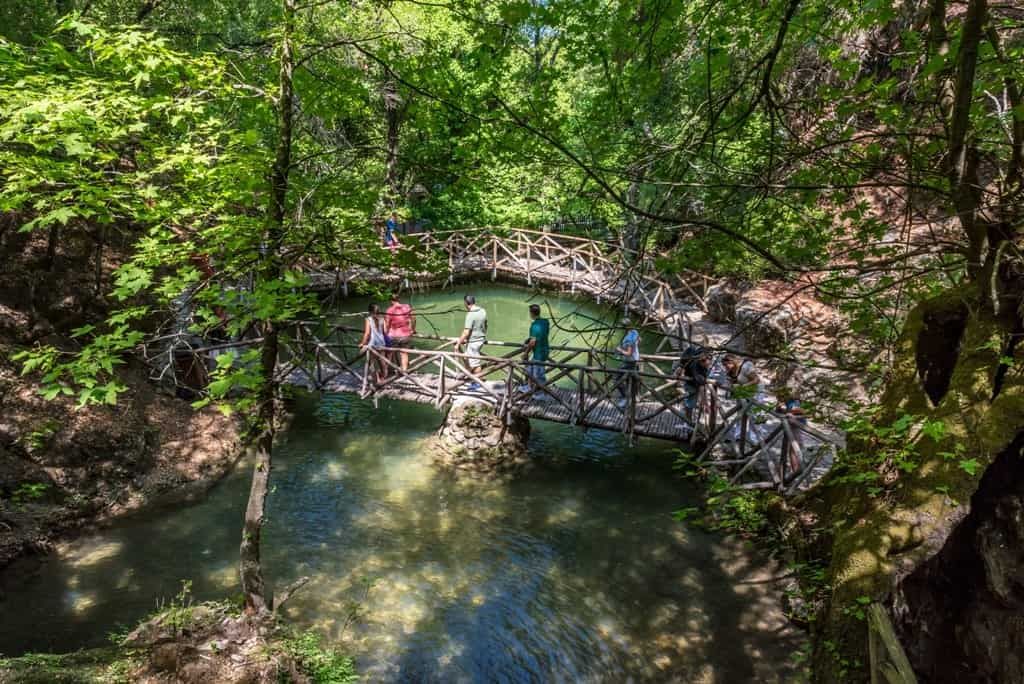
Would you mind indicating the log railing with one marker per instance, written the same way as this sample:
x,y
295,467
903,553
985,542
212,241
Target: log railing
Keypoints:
x,y
576,263
887,660
762,447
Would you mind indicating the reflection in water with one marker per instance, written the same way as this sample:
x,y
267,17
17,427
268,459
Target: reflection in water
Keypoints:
x,y
574,572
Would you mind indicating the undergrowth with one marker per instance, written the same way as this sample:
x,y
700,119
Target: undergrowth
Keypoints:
x,y
323,664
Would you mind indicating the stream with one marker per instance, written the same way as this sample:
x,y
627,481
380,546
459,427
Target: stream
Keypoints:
x,y
574,572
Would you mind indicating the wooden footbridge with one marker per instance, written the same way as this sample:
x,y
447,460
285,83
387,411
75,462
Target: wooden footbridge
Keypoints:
x,y
584,387
570,263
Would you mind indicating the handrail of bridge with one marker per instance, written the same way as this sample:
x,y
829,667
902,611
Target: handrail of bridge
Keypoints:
x,y
500,343
588,253
575,393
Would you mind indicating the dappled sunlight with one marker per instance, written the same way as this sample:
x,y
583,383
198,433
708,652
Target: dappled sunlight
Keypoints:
x,y
81,602
575,571
95,555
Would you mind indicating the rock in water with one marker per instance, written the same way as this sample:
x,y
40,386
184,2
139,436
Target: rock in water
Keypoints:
x,y
475,440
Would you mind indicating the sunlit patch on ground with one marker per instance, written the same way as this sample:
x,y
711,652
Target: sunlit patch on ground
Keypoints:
x,y
80,602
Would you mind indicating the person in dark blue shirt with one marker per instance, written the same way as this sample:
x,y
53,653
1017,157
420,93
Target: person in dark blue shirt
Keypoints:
x,y
694,366
390,232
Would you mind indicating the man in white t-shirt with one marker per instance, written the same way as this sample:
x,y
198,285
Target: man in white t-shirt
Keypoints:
x,y
474,336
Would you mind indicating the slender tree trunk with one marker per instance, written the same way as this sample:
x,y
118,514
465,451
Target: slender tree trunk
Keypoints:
x,y
393,113
962,165
251,569
52,237
631,232
98,265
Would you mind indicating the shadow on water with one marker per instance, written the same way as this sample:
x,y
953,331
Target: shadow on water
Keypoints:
x,y
574,572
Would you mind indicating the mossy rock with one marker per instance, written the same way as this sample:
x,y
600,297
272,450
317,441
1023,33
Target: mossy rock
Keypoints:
x,y
878,540
109,665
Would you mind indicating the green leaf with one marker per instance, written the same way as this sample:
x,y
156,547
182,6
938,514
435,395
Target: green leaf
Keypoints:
x,y
970,466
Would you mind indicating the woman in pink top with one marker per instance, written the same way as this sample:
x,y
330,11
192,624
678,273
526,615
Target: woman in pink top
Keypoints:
x,y
401,326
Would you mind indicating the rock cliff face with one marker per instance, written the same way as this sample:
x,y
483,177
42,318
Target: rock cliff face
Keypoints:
x,y
475,441
773,315
805,337
961,614
939,538
62,467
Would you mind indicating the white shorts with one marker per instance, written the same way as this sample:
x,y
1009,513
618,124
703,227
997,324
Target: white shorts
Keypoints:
x,y
473,349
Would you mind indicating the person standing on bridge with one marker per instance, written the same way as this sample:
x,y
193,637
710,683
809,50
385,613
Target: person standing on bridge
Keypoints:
x,y
629,350
374,342
474,336
401,326
391,232
694,367
538,344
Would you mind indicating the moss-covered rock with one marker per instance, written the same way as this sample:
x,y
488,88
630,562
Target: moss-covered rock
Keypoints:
x,y
941,394
476,441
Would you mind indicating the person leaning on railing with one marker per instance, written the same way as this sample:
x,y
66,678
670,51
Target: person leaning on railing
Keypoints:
x,y
746,387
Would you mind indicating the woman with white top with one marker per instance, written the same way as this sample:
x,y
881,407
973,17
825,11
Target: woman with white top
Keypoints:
x,y
375,336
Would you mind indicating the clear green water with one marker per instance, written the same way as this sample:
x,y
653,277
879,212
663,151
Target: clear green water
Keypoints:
x,y
575,572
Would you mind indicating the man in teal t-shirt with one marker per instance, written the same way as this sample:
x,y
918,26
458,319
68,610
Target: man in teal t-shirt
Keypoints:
x,y
538,344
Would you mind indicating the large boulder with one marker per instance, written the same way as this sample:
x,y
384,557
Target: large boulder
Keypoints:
x,y
722,298
776,315
477,441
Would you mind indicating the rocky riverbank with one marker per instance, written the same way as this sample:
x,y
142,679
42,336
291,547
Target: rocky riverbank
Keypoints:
x,y
64,467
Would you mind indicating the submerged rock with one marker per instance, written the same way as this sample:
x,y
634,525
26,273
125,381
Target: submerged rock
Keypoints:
x,y
475,440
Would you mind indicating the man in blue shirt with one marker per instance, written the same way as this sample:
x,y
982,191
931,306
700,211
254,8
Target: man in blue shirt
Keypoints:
x,y
538,344
390,231
629,350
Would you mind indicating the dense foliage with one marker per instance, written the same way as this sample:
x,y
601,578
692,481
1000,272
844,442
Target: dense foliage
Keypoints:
x,y
873,153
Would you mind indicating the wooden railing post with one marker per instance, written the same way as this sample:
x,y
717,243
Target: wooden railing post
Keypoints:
x,y
451,264
633,381
888,661
581,396
743,428
494,257
441,381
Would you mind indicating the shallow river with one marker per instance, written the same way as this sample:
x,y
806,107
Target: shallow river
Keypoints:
x,y
575,572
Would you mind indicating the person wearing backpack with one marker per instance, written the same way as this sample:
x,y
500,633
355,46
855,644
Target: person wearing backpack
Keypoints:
x,y
693,371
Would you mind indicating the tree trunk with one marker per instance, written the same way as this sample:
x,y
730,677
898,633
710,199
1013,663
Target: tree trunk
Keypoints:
x,y
631,232
393,112
98,274
51,246
251,569
962,165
